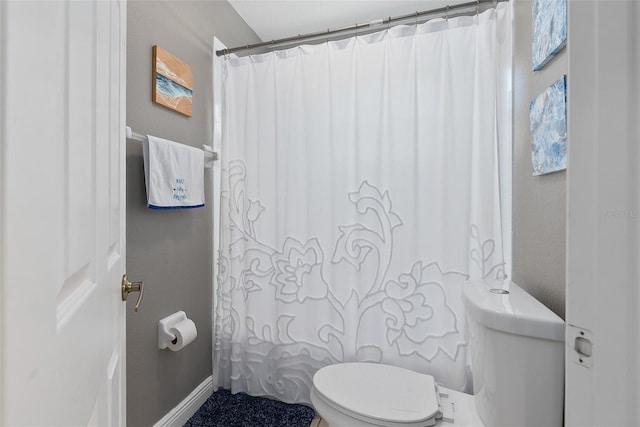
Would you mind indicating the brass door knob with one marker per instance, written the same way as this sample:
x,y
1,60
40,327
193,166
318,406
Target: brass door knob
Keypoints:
x,y
128,287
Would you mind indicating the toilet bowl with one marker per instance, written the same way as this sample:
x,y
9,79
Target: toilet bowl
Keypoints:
x,y
517,359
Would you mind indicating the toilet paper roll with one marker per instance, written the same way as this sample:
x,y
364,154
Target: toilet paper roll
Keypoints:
x,y
185,332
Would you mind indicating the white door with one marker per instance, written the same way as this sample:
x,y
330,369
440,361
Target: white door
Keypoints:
x,y
62,212
603,246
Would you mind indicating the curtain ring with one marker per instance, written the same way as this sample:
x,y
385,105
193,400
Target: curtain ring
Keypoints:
x,y
446,14
477,7
416,18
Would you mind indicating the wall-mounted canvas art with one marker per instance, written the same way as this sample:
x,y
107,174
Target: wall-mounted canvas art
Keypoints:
x,y
548,124
549,30
172,82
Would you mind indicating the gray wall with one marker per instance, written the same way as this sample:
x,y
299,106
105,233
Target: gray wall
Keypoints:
x,y
539,203
170,250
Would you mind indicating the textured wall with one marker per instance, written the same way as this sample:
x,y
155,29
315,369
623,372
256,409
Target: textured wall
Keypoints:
x,y
539,202
170,250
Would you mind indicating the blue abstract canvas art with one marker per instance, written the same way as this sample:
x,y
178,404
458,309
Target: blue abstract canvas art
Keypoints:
x,y
549,30
548,124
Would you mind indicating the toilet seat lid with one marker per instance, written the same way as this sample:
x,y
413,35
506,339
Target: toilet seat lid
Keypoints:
x,y
378,392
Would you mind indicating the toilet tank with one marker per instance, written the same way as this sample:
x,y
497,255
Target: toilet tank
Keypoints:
x,y
517,355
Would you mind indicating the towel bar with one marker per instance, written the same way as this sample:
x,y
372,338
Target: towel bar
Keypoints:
x,y
209,154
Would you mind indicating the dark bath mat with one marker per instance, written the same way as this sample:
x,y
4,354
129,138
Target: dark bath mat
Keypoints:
x,y
224,409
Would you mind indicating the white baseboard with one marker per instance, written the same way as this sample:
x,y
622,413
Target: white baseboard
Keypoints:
x,y
189,406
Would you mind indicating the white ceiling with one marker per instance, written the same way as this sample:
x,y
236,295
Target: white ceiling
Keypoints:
x,y
274,19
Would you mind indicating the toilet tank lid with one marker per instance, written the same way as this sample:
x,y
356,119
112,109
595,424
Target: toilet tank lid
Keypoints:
x,y
516,312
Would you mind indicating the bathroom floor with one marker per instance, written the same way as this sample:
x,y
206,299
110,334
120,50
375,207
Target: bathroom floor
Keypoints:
x,y
318,422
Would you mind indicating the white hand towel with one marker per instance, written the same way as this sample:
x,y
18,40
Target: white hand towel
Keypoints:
x,y
174,174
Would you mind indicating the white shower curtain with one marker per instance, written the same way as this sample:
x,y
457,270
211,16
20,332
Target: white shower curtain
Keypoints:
x,y
360,188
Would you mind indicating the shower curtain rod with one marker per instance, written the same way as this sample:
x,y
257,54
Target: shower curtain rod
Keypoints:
x,y
444,11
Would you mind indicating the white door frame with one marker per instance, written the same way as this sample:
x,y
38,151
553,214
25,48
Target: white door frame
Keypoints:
x,y
603,215
2,239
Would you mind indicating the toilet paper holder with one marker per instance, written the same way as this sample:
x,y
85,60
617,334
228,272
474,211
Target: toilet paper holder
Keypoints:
x,y
164,336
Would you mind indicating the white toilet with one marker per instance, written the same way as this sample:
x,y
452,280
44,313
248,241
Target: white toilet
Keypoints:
x,y
517,353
